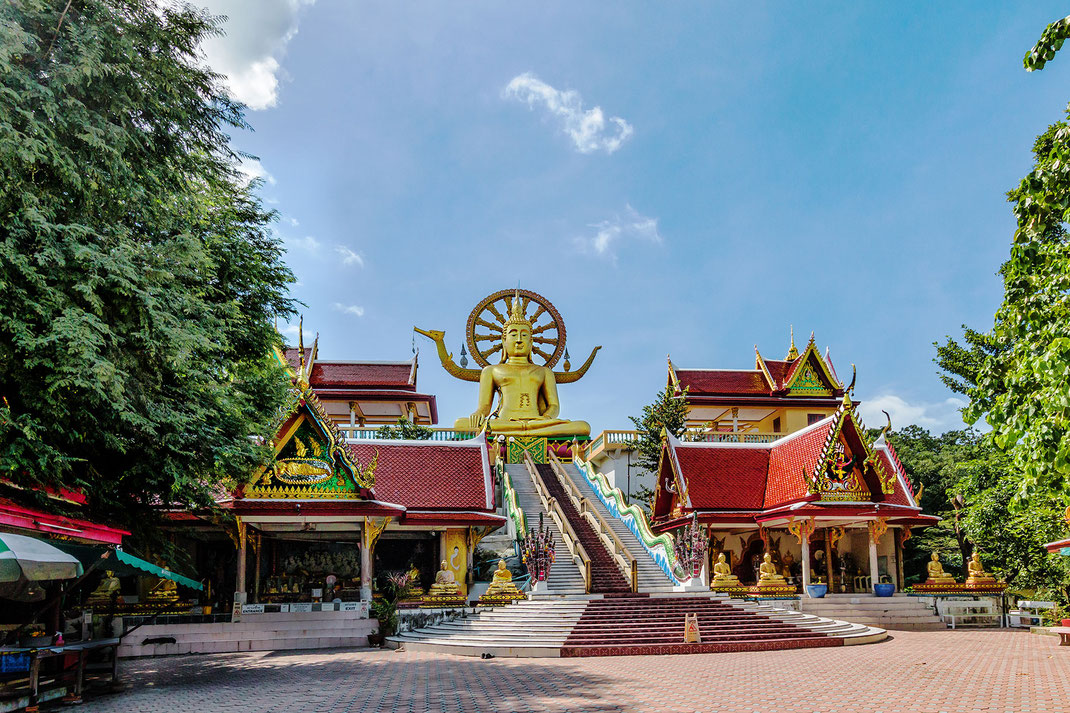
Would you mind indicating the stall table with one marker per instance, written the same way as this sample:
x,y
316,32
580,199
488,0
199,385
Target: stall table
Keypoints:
x,y
82,649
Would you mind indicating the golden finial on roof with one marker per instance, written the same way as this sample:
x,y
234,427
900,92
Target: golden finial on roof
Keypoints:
x,y
850,388
793,352
302,378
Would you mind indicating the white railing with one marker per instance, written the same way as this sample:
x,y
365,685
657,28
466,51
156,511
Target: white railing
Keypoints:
x,y
364,433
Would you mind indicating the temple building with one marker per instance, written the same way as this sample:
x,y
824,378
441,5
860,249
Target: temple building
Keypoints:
x,y
772,486
775,397
358,395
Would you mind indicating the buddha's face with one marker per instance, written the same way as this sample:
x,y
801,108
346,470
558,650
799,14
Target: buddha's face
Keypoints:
x,y
720,557
768,558
517,340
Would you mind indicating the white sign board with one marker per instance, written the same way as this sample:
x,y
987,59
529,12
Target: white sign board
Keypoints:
x,y
252,609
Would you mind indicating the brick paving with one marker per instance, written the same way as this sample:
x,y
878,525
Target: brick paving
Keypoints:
x,y
914,672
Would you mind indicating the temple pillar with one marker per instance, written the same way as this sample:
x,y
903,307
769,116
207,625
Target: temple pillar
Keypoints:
x,y
240,596
828,557
365,563
256,575
897,549
874,572
806,564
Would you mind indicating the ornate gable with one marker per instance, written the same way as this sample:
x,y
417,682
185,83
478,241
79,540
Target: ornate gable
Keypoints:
x,y
849,470
810,375
311,459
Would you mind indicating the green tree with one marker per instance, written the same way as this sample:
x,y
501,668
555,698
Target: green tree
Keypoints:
x,y
668,412
139,275
405,429
1018,375
971,484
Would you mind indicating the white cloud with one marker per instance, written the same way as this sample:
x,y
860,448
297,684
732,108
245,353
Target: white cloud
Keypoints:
x,y
588,129
349,257
349,309
292,221
255,39
937,416
251,169
307,243
631,225
291,330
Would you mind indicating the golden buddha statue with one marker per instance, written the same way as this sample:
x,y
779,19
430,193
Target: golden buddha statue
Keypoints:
x,y
106,592
937,575
976,573
164,590
445,584
528,404
501,584
722,574
767,574
414,590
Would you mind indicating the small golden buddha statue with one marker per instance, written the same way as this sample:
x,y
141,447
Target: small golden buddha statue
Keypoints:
x,y
529,404
767,574
502,582
445,584
722,574
107,591
937,575
164,590
415,591
977,574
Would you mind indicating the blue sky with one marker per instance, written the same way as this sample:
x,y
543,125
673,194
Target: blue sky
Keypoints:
x,y
682,178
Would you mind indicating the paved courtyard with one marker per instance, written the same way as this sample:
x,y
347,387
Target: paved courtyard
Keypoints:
x,y
950,671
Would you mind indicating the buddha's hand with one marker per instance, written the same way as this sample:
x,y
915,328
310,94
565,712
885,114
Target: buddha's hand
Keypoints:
x,y
477,419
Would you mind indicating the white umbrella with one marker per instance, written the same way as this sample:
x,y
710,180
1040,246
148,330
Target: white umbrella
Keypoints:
x,y
28,558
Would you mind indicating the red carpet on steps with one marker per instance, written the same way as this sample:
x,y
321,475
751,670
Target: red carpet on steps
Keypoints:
x,y
606,576
638,625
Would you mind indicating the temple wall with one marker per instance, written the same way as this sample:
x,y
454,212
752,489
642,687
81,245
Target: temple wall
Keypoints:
x,y
615,466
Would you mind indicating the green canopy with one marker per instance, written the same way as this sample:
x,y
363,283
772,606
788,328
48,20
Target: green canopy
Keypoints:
x,y
124,563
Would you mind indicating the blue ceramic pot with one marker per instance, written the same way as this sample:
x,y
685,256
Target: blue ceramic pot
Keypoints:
x,y
817,591
884,590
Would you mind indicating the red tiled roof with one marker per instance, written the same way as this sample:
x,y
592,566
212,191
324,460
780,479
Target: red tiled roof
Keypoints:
x,y
778,370
716,381
724,478
333,374
788,459
293,355
768,479
899,497
430,475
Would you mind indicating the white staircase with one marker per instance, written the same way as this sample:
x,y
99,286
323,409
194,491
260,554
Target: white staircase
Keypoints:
x,y
565,576
899,612
651,576
528,629
257,632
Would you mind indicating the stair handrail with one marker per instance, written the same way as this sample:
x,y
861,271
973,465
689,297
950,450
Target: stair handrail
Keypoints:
x,y
512,505
572,541
661,548
626,562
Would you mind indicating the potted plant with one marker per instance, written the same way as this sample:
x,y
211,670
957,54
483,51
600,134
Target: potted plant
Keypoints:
x,y
817,589
385,609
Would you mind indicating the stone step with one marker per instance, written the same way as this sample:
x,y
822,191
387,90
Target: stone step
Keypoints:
x,y
229,646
